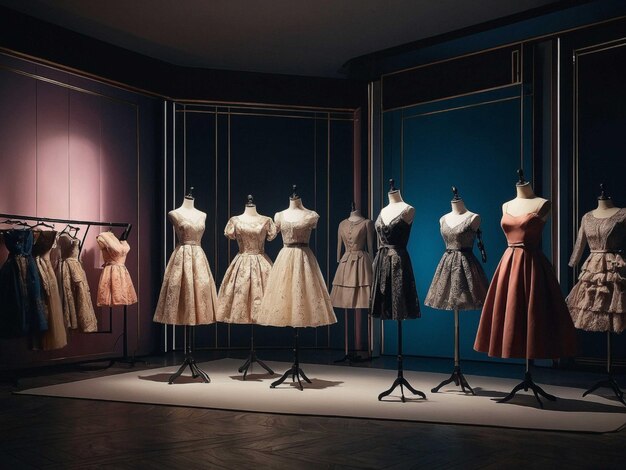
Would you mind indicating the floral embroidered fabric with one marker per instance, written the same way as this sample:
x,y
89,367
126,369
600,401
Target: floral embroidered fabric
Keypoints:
x,y
115,286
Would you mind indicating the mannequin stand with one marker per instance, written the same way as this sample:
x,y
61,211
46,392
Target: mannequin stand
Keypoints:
x,y
457,376
349,356
252,358
400,380
295,371
527,384
125,359
610,381
189,361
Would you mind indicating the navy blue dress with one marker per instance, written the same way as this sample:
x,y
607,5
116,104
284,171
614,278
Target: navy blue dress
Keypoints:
x,y
22,310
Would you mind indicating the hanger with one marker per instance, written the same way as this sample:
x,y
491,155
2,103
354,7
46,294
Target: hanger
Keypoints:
x,y
41,223
68,230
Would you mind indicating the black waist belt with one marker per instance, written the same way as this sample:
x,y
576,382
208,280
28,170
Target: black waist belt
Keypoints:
x,y
296,245
462,250
523,246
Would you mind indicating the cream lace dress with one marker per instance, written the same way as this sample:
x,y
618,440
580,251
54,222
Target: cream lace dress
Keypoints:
x,y
188,295
296,293
244,283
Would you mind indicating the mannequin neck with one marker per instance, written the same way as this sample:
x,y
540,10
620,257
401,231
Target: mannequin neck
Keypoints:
x,y
295,204
250,211
395,197
525,191
604,204
187,203
458,207
355,215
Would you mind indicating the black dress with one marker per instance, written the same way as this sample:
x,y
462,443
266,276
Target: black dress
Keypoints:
x,y
394,296
22,310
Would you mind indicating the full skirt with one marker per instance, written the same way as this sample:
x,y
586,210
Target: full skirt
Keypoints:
x,y
296,293
78,309
56,335
116,287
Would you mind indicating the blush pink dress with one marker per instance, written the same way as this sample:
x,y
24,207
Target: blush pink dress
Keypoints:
x,y
115,286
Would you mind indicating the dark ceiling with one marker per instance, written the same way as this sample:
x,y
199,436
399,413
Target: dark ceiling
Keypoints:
x,y
300,37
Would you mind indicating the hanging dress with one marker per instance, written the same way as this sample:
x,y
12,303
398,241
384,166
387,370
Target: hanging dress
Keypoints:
x,y
115,286
598,300
78,309
56,335
459,282
353,278
394,295
188,295
296,293
245,281
22,310
525,314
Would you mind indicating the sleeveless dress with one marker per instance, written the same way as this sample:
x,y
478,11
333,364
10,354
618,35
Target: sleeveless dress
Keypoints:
x,y
598,300
296,293
459,282
115,286
525,314
188,295
56,336
22,311
75,294
394,295
245,281
353,278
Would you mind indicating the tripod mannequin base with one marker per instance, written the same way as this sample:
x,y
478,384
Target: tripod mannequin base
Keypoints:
x,y
528,384
193,367
350,357
296,373
402,382
459,380
611,383
251,360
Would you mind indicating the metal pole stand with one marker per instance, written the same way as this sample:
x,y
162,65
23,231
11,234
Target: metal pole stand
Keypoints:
x,y
252,358
527,384
125,359
610,381
457,376
400,380
348,356
189,361
295,371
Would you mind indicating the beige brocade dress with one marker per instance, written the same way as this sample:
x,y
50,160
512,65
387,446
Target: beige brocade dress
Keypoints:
x,y
244,283
188,295
115,286
296,294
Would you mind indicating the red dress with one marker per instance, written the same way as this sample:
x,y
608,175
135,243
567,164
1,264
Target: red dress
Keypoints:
x,y
525,314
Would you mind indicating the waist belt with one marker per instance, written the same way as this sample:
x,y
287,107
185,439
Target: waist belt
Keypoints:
x,y
394,247
465,249
296,245
616,252
252,252
523,245
190,243
113,264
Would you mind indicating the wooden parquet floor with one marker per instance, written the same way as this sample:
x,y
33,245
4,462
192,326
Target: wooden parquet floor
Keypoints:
x,y
56,433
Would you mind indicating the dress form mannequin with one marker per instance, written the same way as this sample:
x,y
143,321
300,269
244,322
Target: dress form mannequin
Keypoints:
x,y
460,213
605,208
396,207
526,201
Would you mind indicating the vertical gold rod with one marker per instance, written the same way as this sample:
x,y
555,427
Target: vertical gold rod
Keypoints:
x,y
165,204
173,192
328,216
228,203
138,232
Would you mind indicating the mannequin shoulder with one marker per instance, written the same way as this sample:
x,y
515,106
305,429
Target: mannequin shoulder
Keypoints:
x,y
475,220
543,207
408,213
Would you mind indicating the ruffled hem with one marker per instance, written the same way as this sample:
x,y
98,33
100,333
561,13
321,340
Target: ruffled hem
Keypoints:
x,y
599,297
598,321
354,270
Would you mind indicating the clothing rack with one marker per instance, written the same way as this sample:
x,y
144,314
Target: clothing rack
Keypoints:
x,y
89,223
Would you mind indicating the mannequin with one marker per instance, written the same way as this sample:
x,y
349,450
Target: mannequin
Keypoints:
x,y
396,207
526,201
460,213
605,208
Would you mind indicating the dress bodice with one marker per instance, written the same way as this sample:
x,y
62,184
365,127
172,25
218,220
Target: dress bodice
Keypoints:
x,y
523,230
299,232
602,234
44,243
188,231
19,242
396,233
69,246
354,234
114,251
461,236
251,236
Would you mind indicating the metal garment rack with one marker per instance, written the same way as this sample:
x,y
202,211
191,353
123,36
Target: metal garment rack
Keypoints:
x,y
89,223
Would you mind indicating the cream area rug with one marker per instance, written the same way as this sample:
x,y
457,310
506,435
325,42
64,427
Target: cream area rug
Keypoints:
x,y
352,392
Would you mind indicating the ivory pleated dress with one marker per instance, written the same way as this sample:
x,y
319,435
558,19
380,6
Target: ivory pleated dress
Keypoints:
x,y
115,286
459,282
525,314
188,295
296,293
245,281
353,278
598,300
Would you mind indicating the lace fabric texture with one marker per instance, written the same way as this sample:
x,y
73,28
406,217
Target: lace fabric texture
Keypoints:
x,y
459,282
394,295
353,278
55,337
245,281
78,309
188,295
296,294
525,314
597,302
115,286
